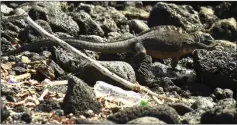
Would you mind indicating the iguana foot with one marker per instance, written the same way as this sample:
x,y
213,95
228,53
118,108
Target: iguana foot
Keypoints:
x,y
142,62
216,46
139,57
219,48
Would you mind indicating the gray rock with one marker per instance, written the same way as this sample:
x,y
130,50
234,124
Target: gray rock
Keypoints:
x,y
225,112
52,13
224,29
226,9
160,75
57,69
113,36
5,9
26,6
137,26
87,25
181,108
79,98
10,31
122,69
223,93
137,4
228,93
185,62
109,26
89,113
16,116
227,45
203,102
68,61
48,106
30,34
200,106
6,44
59,112
178,15
26,117
216,68
58,88
6,91
10,35
19,70
135,13
4,113
108,18
162,112
207,16
146,120
193,117
219,93
86,7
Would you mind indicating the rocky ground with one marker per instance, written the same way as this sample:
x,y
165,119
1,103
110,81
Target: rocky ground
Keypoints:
x,y
50,85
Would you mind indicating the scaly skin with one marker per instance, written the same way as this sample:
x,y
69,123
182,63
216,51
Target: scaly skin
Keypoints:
x,y
159,42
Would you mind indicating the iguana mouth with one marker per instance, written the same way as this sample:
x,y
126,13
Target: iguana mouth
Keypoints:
x,y
210,40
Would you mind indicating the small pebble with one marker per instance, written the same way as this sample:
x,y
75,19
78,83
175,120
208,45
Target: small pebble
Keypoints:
x,y
25,59
4,59
228,93
89,113
219,93
160,89
19,70
16,116
59,112
12,80
213,97
5,9
46,54
11,58
4,114
44,121
203,103
26,118
10,98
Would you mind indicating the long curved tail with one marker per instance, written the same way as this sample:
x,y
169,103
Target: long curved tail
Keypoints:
x,y
113,47
108,47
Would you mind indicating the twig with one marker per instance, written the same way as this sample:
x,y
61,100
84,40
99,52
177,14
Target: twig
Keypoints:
x,y
45,92
93,62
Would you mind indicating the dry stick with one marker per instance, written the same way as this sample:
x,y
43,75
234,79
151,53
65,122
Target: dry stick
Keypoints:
x,y
94,62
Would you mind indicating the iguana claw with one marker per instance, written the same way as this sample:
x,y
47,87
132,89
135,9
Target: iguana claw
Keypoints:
x,y
219,48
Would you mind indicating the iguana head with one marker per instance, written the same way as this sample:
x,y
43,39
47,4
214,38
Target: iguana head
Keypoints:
x,y
202,37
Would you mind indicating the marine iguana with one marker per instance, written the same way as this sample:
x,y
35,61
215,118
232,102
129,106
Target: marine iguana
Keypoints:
x,y
159,42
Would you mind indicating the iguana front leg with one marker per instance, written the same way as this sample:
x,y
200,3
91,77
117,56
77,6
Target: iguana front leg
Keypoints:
x,y
174,62
215,46
141,60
